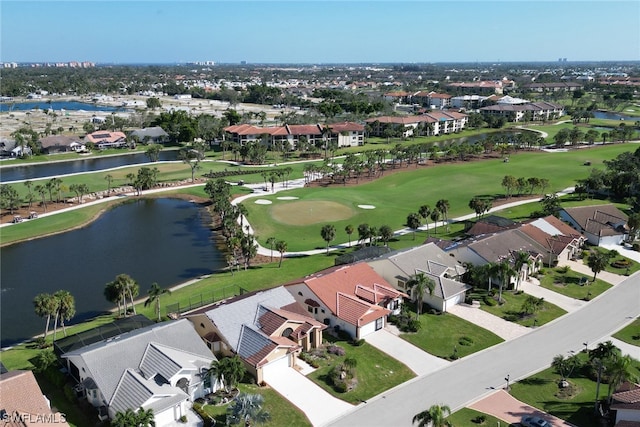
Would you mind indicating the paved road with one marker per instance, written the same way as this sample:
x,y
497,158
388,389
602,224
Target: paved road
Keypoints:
x,y
468,379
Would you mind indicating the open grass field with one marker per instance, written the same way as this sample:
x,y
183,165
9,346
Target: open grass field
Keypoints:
x,y
282,413
541,391
441,334
310,212
568,284
630,334
511,308
396,195
376,371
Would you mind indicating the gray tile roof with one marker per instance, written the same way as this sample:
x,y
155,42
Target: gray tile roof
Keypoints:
x,y
425,257
108,360
230,318
500,246
152,132
251,342
155,361
446,288
134,391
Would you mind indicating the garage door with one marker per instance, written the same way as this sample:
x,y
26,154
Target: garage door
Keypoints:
x,y
272,368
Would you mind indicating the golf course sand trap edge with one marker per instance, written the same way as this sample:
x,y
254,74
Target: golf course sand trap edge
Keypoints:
x,y
263,202
288,198
366,206
310,212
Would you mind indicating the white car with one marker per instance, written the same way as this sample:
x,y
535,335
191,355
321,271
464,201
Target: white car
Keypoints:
x,y
534,422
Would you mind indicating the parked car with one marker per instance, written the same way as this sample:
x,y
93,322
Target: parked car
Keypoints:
x,y
534,422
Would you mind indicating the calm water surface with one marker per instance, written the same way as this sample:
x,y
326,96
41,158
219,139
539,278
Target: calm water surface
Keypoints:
x,y
167,241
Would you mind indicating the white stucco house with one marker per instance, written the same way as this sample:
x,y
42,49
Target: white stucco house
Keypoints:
x,y
601,224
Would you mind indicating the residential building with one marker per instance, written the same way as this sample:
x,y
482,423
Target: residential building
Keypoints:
x,y
161,367
433,100
23,404
601,224
266,329
532,111
399,267
468,102
347,134
61,144
482,87
398,97
433,123
554,87
103,139
155,135
351,298
625,403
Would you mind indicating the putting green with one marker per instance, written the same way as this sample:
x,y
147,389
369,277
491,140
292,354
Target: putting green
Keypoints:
x,y
310,212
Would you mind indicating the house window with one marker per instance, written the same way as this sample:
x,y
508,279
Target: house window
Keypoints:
x,y
299,293
379,322
322,310
287,332
202,325
310,309
402,284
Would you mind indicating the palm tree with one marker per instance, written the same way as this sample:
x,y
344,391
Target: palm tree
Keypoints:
x,y
597,261
413,222
435,416
145,418
349,230
247,408
281,246
42,190
521,259
328,233
271,241
424,212
386,233
420,283
66,308
621,370
45,306
505,271
125,419
443,206
435,216
109,179
229,370
154,296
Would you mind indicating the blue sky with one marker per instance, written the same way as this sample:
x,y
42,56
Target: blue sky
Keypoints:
x,y
318,31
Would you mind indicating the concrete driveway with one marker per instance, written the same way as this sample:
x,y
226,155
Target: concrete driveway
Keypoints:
x,y
568,304
417,360
319,406
502,328
504,406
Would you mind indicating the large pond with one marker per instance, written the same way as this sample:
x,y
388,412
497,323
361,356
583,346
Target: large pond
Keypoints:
x,y
614,116
10,173
56,106
167,241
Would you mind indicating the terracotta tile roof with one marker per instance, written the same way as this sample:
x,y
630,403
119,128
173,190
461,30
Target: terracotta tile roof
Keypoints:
x,y
627,396
304,129
564,228
481,227
21,395
270,322
341,289
346,127
439,95
104,136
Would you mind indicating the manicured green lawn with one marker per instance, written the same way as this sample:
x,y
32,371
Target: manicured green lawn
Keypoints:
x,y
376,371
511,309
395,196
630,334
281,411
568,284
440,334
541,391
466,417
631,266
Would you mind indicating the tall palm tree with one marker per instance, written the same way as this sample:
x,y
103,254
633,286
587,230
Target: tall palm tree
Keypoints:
x,y
349,230
109,179
42,191
421,283
271,241
45,306
443,206
154,296
424,211
520,259
620,370
66,308
328,233
505,271
229,369
281,246
127,418
435,416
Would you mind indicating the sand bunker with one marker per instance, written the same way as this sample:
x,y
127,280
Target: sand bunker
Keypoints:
x,y
288,198
263,202
366,206
310,212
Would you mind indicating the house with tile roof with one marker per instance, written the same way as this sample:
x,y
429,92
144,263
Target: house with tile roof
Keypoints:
x,y
162,367
352,298
22,403
266,328
432,99
399,267
345,134
625,403
61,144
155,135
560,240
537,111
601,224
433,123
104,139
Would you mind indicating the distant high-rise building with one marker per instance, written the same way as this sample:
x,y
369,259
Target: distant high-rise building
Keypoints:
x,y
243,62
